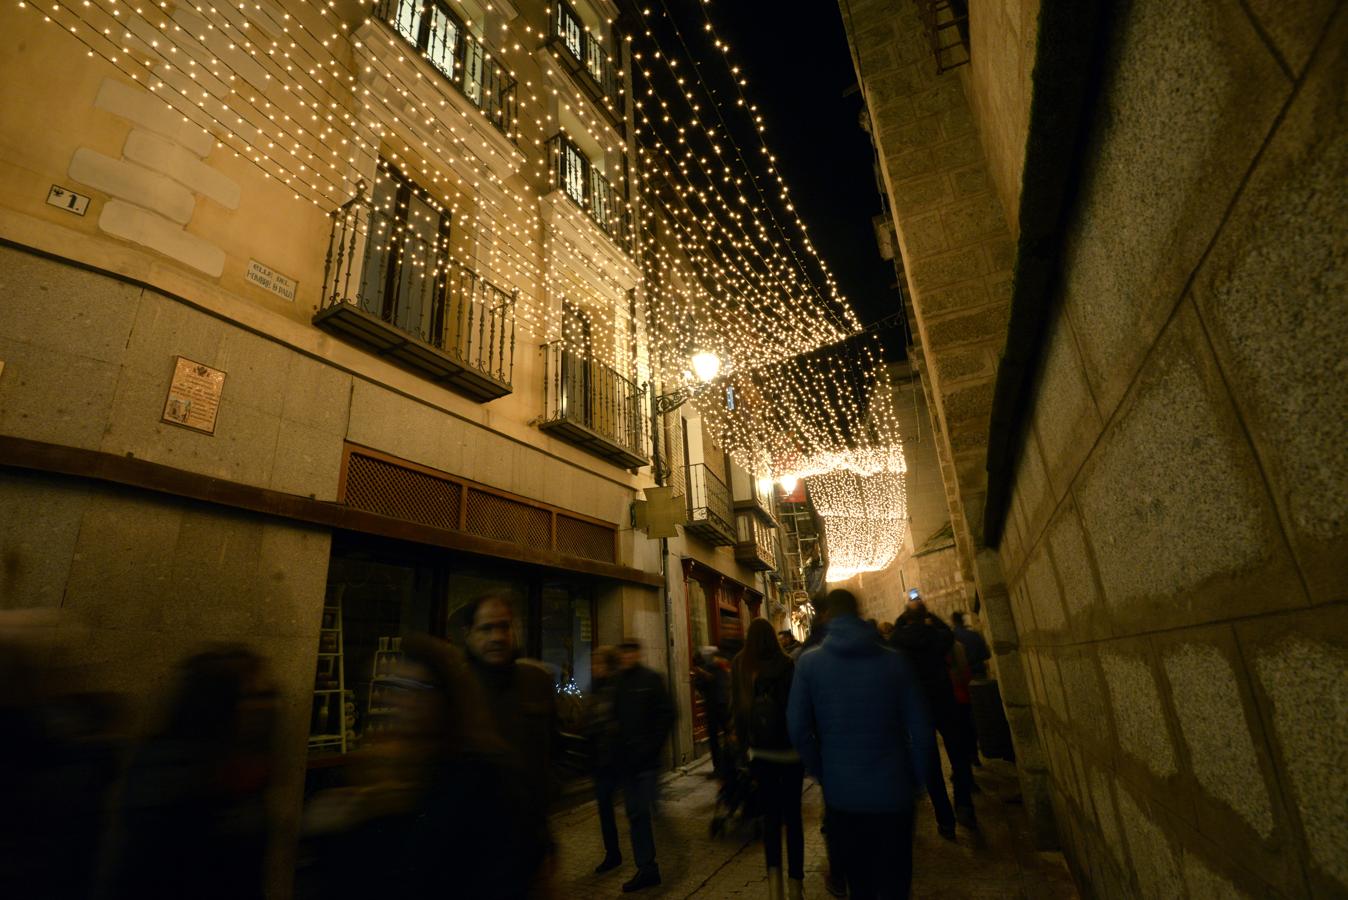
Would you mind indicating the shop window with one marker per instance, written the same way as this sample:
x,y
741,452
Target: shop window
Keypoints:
x,y
373,603
370,607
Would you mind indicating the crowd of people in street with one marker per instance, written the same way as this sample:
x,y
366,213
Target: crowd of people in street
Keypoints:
x,y
454,799
858,707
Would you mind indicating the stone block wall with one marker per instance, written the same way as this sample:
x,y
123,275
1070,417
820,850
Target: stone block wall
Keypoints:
x,y
958,256
1176,541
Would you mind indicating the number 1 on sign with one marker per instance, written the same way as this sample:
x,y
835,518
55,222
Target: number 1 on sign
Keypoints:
x,y
68,200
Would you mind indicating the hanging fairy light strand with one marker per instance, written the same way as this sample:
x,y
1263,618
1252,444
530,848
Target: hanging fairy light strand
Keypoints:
x,y
320,104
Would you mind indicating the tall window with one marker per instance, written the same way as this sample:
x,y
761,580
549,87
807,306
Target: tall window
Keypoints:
x,y
432,29
569,29
407,250
574,166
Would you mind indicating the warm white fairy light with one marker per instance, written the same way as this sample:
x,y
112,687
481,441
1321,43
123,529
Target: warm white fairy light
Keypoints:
x,y
722,264
865,519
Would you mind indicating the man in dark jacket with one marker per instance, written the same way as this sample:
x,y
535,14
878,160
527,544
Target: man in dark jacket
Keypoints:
x,y
975,648
856,717
977,653
520,693
927,641
644,716
711,678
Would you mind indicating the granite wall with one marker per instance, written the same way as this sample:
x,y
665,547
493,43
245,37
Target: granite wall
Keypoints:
x,y
1176,541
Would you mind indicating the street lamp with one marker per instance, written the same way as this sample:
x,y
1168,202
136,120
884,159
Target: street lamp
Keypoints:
x,y
706,366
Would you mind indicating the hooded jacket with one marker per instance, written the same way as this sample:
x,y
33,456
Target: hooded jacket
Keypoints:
x,y
856,716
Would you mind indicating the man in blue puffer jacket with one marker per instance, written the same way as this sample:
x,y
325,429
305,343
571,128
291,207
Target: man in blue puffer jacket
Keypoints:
x,y
857,719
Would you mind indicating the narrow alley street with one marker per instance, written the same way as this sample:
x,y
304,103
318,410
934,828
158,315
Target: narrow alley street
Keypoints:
x,y
999,863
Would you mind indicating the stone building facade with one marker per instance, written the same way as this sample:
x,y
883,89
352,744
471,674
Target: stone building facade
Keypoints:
x,y
361,448
1171,527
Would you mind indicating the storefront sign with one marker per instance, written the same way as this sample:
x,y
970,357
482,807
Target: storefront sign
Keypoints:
x,y
194,396
270,279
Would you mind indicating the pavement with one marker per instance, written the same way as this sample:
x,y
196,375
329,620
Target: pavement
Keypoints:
x,y
996,862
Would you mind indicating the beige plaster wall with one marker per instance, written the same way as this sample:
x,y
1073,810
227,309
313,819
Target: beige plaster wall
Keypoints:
x,y
1176,541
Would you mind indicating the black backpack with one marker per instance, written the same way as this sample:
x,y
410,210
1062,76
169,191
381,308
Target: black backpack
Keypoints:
x,y
767,714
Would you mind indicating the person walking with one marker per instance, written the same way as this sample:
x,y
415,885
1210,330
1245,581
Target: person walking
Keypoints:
x,y
601,731
976,654
194,819
522,699
711,678
438,806
927,642
761,686
644,716
857,719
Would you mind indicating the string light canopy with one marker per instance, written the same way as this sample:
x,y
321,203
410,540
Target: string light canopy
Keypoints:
x,y
865,518
320,101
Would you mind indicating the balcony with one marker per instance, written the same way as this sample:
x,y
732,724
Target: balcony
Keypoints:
x,y
441,38
584,185
708,503
594,407
757,544
585,55
399,294
752,497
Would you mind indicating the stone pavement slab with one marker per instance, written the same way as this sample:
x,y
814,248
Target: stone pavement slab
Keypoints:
x,y
997,862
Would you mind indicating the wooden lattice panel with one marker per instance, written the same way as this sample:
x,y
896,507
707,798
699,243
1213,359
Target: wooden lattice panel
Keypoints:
x,y
503,519
390,490
577,537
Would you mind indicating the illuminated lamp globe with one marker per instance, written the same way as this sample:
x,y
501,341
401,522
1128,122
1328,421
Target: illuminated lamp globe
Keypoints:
x,y
706,365
788,483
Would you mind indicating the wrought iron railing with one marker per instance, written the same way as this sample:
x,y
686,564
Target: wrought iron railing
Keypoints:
x,y
587,187
587,51
381,265
586,392
708,499
947,25
446,44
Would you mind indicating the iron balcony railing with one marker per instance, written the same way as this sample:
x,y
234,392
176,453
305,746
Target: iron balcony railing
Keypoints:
x,y
399,278
708,500
587,51
587,187
432,28
595,406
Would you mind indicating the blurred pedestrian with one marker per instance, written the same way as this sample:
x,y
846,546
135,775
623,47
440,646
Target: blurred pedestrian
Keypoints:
x,y
439,807
522,698
193,813
975,648
976,654
644,715
59,757
927,642
787,639
711,679
856,716
762,677
601,731
521,695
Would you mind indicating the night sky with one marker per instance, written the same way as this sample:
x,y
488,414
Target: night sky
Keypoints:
x,y
800,73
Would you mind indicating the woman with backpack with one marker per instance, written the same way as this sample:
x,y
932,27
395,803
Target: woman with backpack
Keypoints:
x,y
761,684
